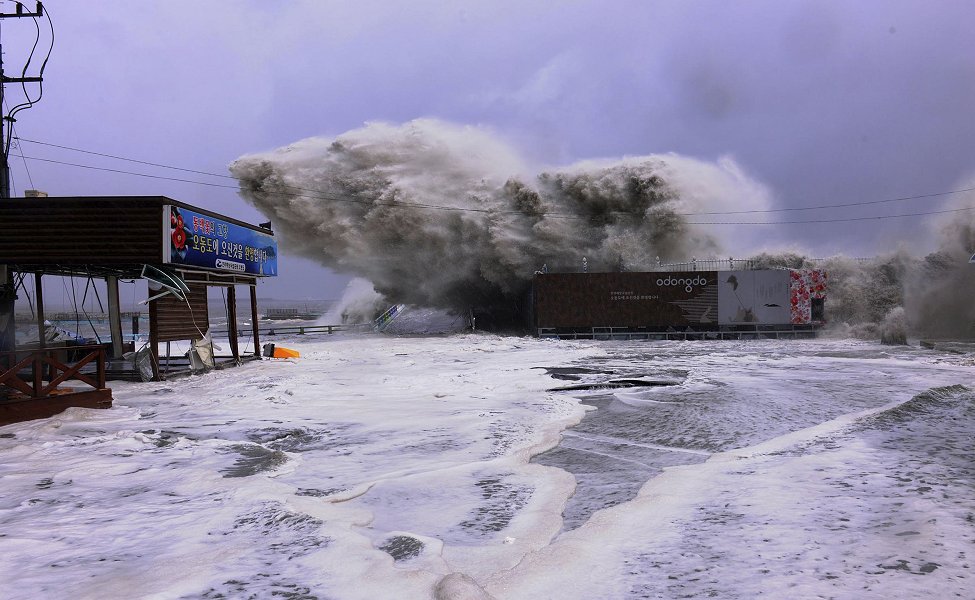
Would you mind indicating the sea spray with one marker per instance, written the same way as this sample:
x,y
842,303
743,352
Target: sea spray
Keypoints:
x,y
940,290
360,303
894,295
893,331
444,216
449,217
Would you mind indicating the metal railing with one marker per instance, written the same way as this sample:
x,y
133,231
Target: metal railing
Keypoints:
x,y
737,332
711,264
741,264
387,317
297,330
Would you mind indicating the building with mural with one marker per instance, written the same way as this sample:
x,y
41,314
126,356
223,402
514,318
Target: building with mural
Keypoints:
x,y
733,304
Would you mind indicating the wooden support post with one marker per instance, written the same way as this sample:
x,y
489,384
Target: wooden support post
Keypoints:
x,y
100,373
37,371
232,321
254,326
114,316
8,295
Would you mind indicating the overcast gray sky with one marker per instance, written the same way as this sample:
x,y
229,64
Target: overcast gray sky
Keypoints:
x,y
823,102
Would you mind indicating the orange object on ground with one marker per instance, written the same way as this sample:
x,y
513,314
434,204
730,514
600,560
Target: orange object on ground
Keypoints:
x,y
280,352
274,351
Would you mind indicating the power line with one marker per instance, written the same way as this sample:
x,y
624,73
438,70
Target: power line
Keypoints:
x,y
319,195
23,80
303,192
20,151
844,220
844,205
131,160
110,170
691,214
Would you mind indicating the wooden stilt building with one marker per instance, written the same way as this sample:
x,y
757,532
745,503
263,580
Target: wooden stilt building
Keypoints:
x,y
118,239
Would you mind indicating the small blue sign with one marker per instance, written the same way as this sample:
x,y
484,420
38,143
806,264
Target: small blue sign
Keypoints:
x,y
199,240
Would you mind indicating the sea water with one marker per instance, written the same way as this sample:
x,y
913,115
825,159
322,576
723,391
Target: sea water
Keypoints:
x,y
382,467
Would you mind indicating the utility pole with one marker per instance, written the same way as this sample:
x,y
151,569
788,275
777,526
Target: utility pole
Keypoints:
x,y
4,80
8,293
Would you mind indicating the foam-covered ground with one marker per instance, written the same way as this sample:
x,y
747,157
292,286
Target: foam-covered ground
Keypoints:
x,y
382,467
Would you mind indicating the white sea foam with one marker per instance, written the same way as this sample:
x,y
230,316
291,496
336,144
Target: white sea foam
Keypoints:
x,y
380,467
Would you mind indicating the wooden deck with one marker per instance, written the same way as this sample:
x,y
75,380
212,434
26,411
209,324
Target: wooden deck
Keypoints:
x,y
31,382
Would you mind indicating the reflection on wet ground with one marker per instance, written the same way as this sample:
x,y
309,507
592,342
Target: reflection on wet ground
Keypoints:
x,y
660,406
612,453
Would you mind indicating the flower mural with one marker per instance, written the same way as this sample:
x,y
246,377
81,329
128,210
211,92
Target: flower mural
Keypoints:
x,y
178,238
804,287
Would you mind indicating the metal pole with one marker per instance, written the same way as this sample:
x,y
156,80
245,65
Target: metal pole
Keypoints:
x,y
232,322
21,13
8,293
4,165
254,323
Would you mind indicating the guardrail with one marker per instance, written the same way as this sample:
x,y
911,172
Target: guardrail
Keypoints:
x,y
739,264
299,330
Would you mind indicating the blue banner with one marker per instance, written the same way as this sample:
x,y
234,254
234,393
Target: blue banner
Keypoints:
x,y
199,240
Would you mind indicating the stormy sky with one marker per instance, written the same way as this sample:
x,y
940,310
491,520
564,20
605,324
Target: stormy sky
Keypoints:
x,y
820,102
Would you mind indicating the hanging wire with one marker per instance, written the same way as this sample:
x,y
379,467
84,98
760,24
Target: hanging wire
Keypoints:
x,y
91,284
40,84
300,192
20,151
186,299
30,303
5,142
74,302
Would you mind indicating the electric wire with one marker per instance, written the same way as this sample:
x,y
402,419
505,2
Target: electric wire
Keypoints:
x,y
842,220
91,284
824,206
74,302
553,215
20,151
123,172
320,195
317,194
131,160
20,285
23,73
11,113
40,83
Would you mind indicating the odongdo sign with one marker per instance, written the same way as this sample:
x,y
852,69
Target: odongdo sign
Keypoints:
x,y
199,240
626,299
687,282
